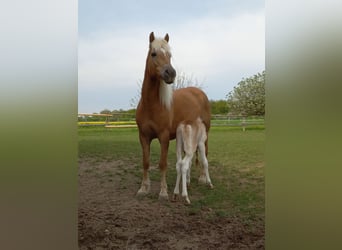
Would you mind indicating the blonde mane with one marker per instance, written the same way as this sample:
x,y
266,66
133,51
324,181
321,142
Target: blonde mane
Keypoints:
x,y
165,90
165,94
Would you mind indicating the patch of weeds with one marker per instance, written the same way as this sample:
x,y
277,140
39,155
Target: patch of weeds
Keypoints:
x,y
193,210
154,175
152,196
195,207
215,197
222,213
167,204
108,173
89,171
137,174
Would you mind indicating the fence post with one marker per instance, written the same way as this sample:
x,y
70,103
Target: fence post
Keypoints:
x,y
243,124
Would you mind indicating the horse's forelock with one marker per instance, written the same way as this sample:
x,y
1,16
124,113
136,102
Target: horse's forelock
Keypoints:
x,y
161,44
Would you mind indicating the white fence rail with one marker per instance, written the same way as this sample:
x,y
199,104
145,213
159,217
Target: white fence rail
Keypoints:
x,y
122,119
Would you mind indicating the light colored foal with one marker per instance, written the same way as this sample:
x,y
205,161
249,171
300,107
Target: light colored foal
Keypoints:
x,y
190,137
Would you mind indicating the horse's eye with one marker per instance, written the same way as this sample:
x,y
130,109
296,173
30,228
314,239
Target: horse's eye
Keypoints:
x,y
153,54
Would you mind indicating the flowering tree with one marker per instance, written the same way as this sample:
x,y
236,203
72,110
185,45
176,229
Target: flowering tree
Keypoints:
x,y
248,97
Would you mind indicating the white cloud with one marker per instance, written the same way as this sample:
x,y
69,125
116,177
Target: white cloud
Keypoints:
x,y
210,48
110,60
219,45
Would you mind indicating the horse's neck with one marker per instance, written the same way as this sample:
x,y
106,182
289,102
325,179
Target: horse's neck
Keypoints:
x,y
156,92
150,91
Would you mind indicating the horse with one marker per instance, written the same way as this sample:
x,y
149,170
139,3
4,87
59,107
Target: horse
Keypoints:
x,y
191,136
161,109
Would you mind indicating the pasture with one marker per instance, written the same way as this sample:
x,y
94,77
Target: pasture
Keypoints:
x,y
111,216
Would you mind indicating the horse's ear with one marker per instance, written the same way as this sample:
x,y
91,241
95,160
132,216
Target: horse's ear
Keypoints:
x,y
151,37
166,38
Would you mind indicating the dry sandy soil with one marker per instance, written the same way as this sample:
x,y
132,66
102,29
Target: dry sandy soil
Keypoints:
x,y
112,217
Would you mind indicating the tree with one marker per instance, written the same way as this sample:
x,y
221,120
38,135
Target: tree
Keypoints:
x,y
219,107
248,97
182,81
105,111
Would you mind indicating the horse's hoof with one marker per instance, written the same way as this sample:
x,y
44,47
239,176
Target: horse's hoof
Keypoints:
x,y
175,197
142,192
211,186
202,179
163,197
187,201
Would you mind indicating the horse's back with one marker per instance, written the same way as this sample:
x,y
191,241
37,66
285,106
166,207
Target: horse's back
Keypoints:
x,y
189,104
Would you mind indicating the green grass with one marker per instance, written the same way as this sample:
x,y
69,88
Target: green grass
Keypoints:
x,y
108,144
236,167
83,123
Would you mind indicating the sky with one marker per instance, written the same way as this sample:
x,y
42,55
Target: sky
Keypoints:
x,y
217,43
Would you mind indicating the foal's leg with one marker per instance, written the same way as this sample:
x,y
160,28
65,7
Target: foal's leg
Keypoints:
x,y
146,184
185,170
164,146
179,174
203,178
179,149
204,161
188,174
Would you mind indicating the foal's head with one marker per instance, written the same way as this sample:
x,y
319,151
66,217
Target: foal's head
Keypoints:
x,y
159,59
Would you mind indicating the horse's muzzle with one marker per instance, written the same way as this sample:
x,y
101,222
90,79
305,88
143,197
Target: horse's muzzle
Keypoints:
x,y
168,74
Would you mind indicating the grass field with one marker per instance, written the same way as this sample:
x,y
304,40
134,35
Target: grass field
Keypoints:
x,y
236,166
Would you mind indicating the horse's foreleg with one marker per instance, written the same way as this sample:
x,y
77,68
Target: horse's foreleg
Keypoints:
x,y
145,184
164,146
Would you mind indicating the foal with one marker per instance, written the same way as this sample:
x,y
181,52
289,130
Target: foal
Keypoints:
x,y
190,137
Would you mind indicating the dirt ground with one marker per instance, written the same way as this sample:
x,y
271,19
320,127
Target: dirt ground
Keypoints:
x,y
112,217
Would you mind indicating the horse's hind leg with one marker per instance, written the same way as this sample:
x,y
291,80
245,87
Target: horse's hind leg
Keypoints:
x,y
185,170
179,149
179,173
164,146
204,178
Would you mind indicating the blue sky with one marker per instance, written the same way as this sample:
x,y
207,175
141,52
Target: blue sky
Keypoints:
x,y
216,42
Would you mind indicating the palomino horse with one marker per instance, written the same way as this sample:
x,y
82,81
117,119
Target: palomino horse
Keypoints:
x,y
161,110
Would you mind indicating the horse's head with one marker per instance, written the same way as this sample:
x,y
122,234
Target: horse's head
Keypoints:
x,y
159,59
